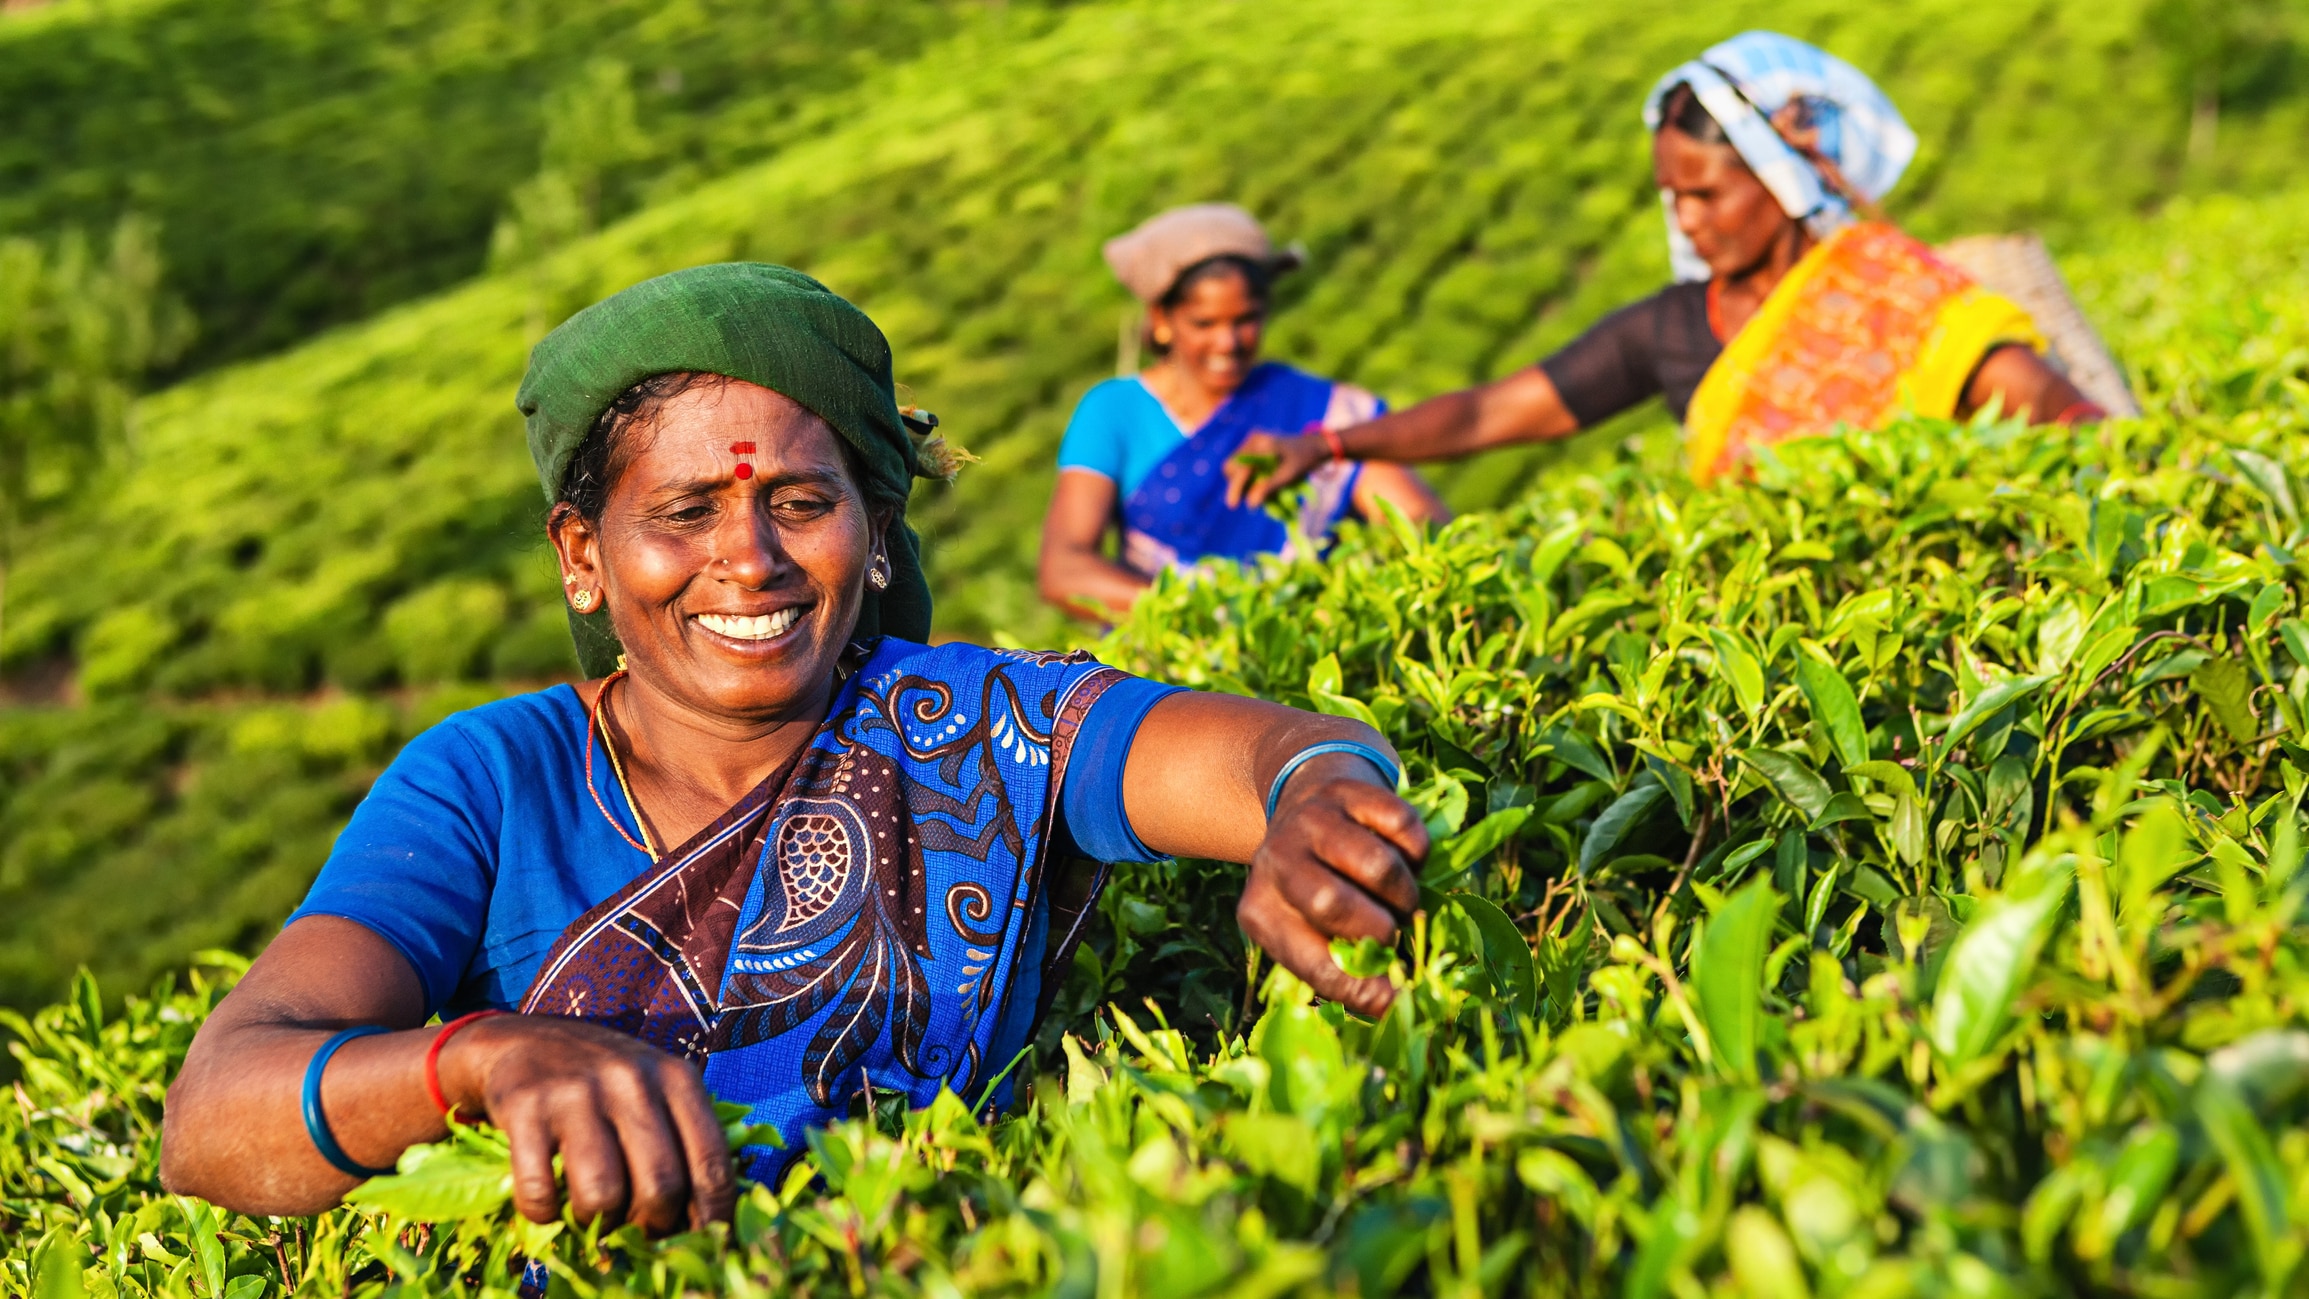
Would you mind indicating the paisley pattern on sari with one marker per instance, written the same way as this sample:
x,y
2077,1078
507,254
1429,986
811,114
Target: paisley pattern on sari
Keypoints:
x,y
1179,516
1868,324
858,921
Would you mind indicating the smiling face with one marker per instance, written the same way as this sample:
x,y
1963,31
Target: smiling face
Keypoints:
x,y
1734,223
1213,330
732,551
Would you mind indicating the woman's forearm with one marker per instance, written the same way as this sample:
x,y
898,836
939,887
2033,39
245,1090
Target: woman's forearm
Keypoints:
x,y
1523,407
1071,571
1087,584
1202,765
633,1127
233,1129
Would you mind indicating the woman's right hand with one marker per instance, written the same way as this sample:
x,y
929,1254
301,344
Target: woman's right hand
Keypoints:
x,y
634,1127
1266,463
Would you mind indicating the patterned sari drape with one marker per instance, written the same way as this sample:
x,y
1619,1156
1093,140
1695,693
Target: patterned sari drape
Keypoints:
x,y
1179,515
1869,323
859,920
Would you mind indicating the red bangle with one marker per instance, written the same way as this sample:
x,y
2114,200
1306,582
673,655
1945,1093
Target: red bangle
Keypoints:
x,y
433,1057
2079,412
1330,438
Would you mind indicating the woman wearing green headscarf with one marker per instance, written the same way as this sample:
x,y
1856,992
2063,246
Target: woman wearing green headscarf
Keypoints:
x,y
779,850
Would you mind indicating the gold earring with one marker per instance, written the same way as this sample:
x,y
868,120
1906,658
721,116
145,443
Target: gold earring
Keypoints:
x,y
878,576
1162,338
582,602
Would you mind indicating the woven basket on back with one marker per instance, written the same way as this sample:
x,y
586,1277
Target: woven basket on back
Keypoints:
x,y
2020,268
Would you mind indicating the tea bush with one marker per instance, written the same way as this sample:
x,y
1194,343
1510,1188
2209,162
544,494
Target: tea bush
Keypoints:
x,y
1471,183
312,163
1879,879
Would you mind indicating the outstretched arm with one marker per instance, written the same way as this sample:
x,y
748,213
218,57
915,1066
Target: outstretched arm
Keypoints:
x,y
1338,859
1071,572
1402,487
2018,378
1523,407
634,1127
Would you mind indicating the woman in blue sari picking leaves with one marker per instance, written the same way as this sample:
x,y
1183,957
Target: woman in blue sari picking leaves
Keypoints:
x,y
777,851
1144,454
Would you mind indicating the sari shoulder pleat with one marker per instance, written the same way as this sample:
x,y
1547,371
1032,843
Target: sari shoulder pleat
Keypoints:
x,y
1867,325
1179,515
857,922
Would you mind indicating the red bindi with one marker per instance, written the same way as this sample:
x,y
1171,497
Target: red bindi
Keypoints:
x,y
744,470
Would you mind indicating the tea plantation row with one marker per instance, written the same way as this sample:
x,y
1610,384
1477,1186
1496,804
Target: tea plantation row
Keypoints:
x,y
307,558
1882,879
313,163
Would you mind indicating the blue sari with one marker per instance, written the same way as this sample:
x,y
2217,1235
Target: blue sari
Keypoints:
x,y
1179,516
863,920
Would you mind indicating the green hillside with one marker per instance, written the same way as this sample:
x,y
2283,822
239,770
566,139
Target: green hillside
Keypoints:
x,y
1881,879
312,554
314,163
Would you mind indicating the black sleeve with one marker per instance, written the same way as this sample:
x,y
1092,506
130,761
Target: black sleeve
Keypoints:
x,y
1610,367
1616,363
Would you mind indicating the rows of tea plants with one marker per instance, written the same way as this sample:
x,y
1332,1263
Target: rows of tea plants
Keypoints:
x,y
312,163
349,532
1470,182
1880,879
138,828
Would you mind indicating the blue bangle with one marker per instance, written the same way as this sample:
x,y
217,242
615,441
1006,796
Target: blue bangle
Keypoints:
x,y
317,1123
1361,750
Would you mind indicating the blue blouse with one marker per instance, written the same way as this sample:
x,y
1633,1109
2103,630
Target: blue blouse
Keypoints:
x,y
481,844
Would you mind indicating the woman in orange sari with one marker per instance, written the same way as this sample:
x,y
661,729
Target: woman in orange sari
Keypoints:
x,y
1795,310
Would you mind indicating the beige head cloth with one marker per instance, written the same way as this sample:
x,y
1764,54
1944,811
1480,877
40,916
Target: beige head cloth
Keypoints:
x,y
1150,259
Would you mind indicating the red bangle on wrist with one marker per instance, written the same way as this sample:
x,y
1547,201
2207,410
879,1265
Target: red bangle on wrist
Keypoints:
x,y
1330,438
2081,412
433,1057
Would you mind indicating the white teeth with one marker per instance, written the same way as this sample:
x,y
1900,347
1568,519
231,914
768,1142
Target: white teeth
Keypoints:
x,y
763,627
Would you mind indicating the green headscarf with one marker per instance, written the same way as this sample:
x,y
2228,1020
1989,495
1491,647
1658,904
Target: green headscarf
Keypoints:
x,y
767,325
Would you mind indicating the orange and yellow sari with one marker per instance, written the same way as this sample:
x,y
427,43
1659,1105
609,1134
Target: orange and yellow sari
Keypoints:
x,y
1869,324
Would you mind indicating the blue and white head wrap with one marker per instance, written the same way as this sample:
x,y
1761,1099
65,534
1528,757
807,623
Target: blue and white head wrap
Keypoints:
x,y
1743,81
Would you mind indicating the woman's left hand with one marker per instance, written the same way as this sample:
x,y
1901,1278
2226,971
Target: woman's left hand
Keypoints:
x,y
1336,863
1266,463
1337,859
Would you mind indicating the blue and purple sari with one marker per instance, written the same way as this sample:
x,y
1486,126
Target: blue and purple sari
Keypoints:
x,y
864,921
1179,516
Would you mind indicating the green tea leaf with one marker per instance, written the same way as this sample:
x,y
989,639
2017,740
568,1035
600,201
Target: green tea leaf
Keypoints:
x,y
2270,479
1989,702
1576,751
1834,708
1740,667
1762,1257
1843,805
2295,634
1450,858
2226,687
1988,965
59,1268
1891,775
1728,973
1506,953
441,1185
1625,813
1791,778
1361,958
2263,1190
